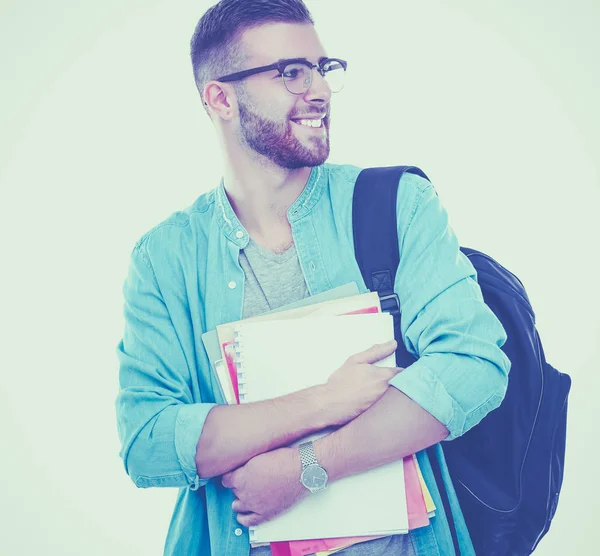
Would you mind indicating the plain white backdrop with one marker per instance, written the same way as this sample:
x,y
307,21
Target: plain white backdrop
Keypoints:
x,y
102,136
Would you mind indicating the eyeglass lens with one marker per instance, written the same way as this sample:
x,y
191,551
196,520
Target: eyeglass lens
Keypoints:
x,y
298,77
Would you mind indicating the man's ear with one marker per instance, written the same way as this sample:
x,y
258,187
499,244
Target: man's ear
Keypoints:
x,y
220,99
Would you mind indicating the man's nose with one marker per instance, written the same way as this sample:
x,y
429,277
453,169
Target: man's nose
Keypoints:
x,y
319,90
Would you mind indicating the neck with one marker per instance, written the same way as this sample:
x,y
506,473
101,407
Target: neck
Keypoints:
x,y
261,192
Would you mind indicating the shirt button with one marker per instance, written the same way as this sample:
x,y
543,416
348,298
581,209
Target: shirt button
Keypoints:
x,y
239,234
238,532
231,285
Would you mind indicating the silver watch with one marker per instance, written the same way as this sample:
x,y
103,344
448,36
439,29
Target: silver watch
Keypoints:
x,y
313,476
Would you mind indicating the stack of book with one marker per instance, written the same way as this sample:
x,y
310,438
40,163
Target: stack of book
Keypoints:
x,y
295,347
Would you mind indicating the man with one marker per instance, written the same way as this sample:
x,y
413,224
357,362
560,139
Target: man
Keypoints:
x,y
277,229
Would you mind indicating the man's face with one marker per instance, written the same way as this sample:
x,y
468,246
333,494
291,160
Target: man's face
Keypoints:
x,y
269,115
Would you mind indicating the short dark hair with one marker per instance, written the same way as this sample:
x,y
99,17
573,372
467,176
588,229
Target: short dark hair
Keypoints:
x,y
215,48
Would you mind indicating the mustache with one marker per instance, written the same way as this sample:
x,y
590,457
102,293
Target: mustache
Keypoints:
x,y
314,112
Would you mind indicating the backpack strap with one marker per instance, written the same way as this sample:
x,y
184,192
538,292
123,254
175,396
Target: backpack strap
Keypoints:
x,y
376,239
378,255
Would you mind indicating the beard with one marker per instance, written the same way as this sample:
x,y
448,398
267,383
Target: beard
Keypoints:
x,y
276,141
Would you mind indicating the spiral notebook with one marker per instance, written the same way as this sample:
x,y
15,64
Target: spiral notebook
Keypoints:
x,y
275,358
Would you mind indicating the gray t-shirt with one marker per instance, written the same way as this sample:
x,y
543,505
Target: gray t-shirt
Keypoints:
x,y
273,280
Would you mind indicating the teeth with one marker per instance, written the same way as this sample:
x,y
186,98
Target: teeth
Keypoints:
x,y
310,123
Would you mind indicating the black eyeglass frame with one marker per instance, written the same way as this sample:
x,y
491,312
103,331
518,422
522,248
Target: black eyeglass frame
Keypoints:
x,y
280,66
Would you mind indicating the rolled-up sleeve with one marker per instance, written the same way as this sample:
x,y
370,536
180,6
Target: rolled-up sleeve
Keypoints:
x,y
461,373
158,422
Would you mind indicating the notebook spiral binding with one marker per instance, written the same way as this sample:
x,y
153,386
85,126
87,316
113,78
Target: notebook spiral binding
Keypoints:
x,y
238,346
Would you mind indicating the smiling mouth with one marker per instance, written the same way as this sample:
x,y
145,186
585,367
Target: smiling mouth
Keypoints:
x,y
310,122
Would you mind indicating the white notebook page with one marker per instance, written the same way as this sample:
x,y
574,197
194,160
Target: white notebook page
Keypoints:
x,y
280,357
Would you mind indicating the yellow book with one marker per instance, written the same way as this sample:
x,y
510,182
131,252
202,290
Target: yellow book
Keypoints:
x,y
426,494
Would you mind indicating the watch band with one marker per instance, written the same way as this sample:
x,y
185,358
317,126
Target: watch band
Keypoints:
x,y
313,476
307,454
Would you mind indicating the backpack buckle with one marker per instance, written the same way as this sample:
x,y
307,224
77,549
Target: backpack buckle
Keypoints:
x,y
390,303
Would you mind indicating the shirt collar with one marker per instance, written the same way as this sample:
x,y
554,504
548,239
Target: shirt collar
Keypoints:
x,y
232,227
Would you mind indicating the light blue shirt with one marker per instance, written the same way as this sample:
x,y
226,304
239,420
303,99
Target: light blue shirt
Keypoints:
x,y
185,279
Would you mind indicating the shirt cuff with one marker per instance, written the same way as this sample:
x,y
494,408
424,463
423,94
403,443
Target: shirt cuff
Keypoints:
x,y
423,386
188,427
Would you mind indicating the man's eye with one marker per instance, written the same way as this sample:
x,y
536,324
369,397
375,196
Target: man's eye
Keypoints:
x,y
291,73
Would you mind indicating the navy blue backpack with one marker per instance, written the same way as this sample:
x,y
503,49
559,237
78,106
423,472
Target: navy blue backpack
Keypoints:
x,y
507,470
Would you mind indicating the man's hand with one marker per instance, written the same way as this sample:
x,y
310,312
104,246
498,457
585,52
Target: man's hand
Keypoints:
x,y
266,486
358,384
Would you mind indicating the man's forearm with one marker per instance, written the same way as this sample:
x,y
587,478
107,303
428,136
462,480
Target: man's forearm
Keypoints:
x,y
391,429
234,434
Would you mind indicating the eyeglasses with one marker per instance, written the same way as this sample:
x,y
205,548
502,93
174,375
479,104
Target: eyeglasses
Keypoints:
x,y
296,73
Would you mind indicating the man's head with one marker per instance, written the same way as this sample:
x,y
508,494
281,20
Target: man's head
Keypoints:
x,y
258,112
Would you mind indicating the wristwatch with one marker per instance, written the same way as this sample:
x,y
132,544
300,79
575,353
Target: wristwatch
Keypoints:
x,y
313,476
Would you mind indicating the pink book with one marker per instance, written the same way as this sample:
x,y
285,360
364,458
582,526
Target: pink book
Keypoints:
x,y
228,350
417,510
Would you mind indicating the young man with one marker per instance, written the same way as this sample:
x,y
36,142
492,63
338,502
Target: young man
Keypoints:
x,y
277,229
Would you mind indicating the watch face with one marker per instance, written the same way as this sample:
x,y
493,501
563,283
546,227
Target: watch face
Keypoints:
x,y
314,477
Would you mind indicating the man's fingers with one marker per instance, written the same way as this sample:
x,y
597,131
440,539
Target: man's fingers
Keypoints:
x,y
395,370
239,507
375,353
390,372
226,480
250,519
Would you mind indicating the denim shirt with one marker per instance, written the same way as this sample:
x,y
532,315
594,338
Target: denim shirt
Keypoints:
x,y
185,279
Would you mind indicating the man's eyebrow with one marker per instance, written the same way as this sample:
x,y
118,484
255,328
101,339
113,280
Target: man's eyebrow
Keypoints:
x,y
294,59
298,58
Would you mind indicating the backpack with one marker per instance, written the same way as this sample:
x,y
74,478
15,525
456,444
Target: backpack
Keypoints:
x,y
508,469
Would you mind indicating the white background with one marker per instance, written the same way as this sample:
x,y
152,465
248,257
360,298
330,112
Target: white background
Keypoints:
x,y
103,136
